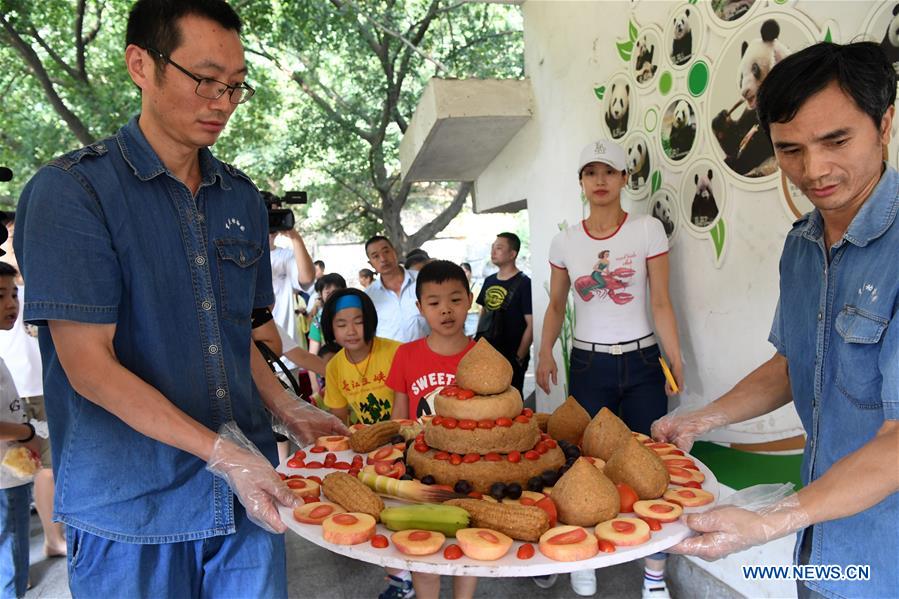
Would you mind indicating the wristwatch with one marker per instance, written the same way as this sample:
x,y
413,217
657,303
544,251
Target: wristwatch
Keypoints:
x,y
30,436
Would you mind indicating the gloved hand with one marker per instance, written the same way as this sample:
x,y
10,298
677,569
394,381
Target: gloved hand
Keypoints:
x,y
682,428
302,422
728,529
251,477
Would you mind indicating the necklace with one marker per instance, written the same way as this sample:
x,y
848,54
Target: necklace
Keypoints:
x,y
364,372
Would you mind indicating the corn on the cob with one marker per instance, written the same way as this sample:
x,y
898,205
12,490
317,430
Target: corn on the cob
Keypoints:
x,y
351,494
522,522
374,436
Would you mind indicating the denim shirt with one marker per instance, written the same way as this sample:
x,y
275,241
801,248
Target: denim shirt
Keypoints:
x,y
108,235
836,323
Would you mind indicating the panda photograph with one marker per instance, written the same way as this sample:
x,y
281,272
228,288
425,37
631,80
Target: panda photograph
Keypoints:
x,y
678,130
618,109
731,10
890,42
704,208
682,38
747,149
638,165
661,210
644,66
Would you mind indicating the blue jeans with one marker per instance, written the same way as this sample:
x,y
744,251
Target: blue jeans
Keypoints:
x,y
248,563
15,513
631,385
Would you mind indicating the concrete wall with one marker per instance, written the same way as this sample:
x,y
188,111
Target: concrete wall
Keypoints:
x,y
724,290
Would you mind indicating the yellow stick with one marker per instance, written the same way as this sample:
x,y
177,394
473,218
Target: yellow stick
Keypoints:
x,y
668,376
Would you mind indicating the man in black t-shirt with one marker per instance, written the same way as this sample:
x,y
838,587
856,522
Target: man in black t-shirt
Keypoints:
x,y
506,319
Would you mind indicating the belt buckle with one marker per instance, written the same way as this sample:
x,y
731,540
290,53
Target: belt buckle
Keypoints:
x,y
615,350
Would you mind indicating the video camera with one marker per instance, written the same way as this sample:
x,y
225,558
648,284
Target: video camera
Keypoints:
x,y
281,219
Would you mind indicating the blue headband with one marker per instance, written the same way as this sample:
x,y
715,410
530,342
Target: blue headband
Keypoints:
x,y
347,301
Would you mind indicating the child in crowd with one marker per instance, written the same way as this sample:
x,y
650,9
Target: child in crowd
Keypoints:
x,y
324,287
421,367
15,492
356,376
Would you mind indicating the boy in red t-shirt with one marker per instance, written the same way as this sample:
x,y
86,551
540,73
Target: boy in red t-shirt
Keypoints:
x,y
420,367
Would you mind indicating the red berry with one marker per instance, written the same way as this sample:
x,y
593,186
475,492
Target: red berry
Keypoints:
x,y
299,454
476,495
606,546
527,412
486,424
471,458
282,475
465,394
436,420
551,443
468,425
532,455
526,551
330,459
652,522
342,465
505,422
295,463
441,455
514,456
314,465
522,419
318,449
493,457
450,422
540,448
379,542
421,447
315,478
452,552
455,459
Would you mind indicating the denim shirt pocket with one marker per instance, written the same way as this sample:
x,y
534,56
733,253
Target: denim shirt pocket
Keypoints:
x,y
237,276
858,377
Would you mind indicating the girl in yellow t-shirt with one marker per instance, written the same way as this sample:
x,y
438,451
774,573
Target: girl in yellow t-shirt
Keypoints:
x,y
356,377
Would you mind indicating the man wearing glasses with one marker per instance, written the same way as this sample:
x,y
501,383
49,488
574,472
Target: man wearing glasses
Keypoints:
x,y
145,257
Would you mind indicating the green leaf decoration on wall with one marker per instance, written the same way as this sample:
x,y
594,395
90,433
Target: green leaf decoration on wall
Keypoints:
x,y
717,233
692,1
600,92
562,225
656,181
624,50
632,31
828,37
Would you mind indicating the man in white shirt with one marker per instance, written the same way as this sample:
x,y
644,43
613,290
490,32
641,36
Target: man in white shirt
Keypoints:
x,y
292,270
393,294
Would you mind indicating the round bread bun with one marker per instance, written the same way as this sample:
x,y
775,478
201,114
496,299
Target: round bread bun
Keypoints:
x,y
484,370
507,404
482,474
499,439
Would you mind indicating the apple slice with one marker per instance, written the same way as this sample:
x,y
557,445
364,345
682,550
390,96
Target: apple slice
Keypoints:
x,y
315,513
663,511
568,544
641,437
623,531
334,442
350,528
388,453
527,498
689,497
418,542
664,448
483,544
303,487
387,469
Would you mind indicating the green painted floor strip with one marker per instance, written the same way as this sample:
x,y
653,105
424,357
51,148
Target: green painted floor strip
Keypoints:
x,y
741,469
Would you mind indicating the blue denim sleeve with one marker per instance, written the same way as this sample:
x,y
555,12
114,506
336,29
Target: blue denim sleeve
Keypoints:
x,y
66,252
776,335
889,368
265,295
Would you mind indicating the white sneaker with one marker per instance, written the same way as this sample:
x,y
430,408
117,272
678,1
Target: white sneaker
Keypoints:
x,y
583,582
657,591
545,582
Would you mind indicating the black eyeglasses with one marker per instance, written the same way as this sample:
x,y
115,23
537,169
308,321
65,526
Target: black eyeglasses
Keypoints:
x,y
211,89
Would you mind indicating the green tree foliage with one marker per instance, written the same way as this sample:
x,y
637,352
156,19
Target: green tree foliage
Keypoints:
x,y
337,80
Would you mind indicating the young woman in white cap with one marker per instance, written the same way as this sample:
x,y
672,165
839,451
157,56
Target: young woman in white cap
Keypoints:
x,y
618,264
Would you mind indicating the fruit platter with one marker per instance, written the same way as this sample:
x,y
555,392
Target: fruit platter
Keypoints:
x,y
486,487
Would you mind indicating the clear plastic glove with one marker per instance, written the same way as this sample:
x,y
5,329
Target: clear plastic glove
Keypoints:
x,y
682,428
729,528
302,422
251,477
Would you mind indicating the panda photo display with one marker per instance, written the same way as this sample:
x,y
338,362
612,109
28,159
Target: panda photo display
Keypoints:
x,y
663,210
890,41
646,57
746,61
731,10
678,129
618,107
638,164
682,36
702,196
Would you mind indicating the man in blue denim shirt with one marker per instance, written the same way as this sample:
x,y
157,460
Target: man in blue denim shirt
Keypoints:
x,y
829,109
145,257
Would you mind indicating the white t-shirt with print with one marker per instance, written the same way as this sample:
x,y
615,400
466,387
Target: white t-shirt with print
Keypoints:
x,y
12,409
609,277
285,280
22,355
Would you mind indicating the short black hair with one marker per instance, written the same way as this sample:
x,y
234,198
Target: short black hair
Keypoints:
x,y
375,239
366,272
513,239
154,23
331,279
369,315
440,271
320,264
465,266
416,256
7,270
861,69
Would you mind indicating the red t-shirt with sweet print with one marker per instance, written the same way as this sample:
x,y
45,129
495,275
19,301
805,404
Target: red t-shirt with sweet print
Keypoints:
x,y
418,370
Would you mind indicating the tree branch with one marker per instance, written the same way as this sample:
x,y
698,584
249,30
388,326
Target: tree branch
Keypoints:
x,y
366,205
92,34
52,54
74,124
443,219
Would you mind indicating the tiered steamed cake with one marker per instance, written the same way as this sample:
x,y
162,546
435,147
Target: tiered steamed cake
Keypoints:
x,y
480,433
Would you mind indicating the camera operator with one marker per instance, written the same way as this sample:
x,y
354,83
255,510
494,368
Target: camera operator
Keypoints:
x,y
292,270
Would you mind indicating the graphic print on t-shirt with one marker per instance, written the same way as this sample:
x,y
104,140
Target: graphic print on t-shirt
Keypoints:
x,y
608,280
494,296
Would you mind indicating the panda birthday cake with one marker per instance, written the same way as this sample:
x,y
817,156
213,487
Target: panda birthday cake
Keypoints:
x,y
480,434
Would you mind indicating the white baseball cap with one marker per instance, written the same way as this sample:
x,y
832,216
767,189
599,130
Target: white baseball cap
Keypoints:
x,y
605,151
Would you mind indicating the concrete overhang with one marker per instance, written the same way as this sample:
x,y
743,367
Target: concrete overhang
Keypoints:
x,y
461,125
